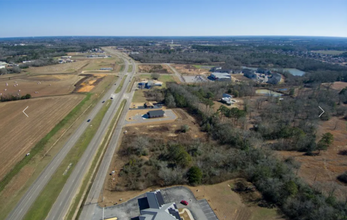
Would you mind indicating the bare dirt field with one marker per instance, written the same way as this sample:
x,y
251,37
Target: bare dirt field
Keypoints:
x,y
190,69
237,104
20,133
240,77
40,85
321,171
154,69
88,83
74,67
336,85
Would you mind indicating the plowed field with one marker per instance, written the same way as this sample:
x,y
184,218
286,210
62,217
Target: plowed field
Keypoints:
x,y
20,133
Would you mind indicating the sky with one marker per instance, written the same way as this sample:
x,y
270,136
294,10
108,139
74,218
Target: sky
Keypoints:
x,y
26,18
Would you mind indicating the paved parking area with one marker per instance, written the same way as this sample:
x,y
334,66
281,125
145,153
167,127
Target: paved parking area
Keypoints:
x,y
130,209
206,208
194,79
137,119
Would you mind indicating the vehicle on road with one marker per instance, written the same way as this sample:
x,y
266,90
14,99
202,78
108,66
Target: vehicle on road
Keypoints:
x,y
103,101
88,120
184,202
111,98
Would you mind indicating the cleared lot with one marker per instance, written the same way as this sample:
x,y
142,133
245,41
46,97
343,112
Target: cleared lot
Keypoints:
x,y
20,133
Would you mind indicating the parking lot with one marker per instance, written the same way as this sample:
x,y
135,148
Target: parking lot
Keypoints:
x,y
206,208
130,209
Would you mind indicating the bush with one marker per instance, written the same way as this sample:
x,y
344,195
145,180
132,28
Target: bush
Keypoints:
x,y
184,128
155,75
343,177
194,175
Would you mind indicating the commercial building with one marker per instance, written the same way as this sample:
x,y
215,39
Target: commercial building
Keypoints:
x,y
153,208
220,76
156,114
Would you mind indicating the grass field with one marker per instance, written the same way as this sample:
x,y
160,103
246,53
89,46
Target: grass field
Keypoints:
x,y
96,162
39,86
96,64
139,96
49,194
330,52
58,68
120,86
19,182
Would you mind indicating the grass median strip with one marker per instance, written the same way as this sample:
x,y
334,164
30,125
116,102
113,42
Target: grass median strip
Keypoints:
x,y
77,205
42,205
130,69
130,86
119,88
41,144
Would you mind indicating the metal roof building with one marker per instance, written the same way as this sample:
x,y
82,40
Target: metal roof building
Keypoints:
x,y
220,76
156,114
156,209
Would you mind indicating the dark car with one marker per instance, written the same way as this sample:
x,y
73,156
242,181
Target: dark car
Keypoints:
x,y
103,101
184,202
88,120
111,97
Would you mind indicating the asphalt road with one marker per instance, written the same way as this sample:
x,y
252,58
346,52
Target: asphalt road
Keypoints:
x,y
34,190
90,205
66,196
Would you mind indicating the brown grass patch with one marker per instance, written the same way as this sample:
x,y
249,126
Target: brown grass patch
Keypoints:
x,y
189,69
154,69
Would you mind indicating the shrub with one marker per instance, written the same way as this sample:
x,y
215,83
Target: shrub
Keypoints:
x,y
343,177
194,175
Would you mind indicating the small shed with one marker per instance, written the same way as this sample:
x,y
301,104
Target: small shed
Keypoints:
x,y
156,114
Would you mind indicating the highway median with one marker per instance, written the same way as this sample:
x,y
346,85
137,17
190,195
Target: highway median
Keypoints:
x,y
120,86
44,202
78,201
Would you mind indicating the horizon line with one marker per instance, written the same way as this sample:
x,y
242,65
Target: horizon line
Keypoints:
x,y
142,36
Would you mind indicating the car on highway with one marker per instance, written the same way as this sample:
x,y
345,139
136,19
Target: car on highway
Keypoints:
x,y
103,101
184,202
88,120
111,98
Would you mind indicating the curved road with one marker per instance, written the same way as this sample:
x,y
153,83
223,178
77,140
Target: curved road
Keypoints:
x,y
34,190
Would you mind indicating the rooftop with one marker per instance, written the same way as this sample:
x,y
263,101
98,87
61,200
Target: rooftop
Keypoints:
x,y
155,209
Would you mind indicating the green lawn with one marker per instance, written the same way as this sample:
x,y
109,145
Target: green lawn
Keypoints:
x,y
96,162
130,68
43,203
330,52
